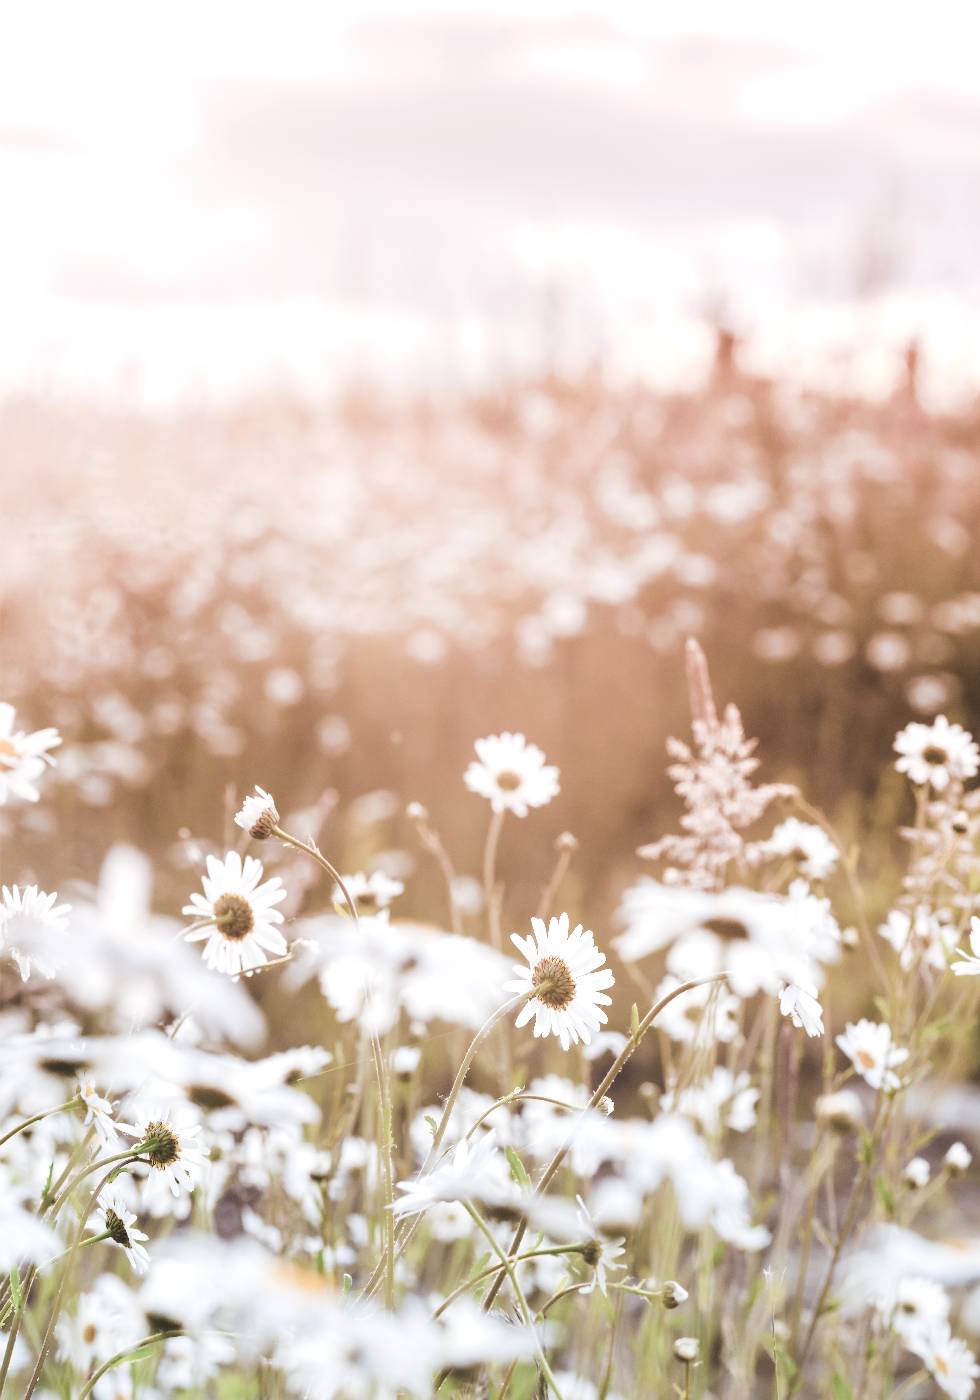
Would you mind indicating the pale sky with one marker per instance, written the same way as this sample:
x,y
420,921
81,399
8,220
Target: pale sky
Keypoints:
x,y
213,195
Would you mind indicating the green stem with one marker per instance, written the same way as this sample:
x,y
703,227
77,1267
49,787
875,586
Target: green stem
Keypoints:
x,y
323,863
107,1366
29,1122
496,1268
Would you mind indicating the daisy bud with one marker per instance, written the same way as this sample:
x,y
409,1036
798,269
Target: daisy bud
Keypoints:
x,y
673,1294
842,1112
849,939
686,1349
916,1173
566,842
606,1106
417,813
258,815
957,1159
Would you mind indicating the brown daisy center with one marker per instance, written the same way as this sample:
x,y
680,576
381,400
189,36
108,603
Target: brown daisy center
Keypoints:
x,y
731,929
116,1230
163,1145
8,750
935,756
89,1333
866,1060
508,780
234,917
556,983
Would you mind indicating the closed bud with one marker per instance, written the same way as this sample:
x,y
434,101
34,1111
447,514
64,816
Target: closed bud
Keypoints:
x,y
673,1294
686,1349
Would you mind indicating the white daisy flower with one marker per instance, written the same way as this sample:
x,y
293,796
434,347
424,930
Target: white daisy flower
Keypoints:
x,y
807,845
601,1255
22,757
472,1171
868,1045
119,1223
948,1360
172,1148
911,1305
916,1173
800,1004
241,920
258,815
98,1113
564,965
939,753
511,774
968,964
920,937
28,919
371,893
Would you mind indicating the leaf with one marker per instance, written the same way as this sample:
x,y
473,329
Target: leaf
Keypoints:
x,y
433,1125
785,1362
517,1168
15,1292
634,1021
347,1284
840,1387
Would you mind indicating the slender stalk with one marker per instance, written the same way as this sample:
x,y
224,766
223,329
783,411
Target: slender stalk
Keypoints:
x,y
29,1122
107,1366
615,1069
519,1096
469,1283
322,861
491,1239
490,878
566,845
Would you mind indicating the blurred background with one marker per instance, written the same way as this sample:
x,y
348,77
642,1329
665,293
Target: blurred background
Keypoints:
x,y
376,377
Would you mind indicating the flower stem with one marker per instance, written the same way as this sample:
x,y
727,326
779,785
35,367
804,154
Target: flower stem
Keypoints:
x,y
29,1122
490,878
322,861
106,1366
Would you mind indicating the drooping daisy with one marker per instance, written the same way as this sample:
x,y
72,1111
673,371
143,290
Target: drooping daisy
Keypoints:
x,y
119,1223
939,753
968,964
600,1254
800,1004
511,774
22,757
568,987
807,845
258,815
30,924
948,1360
869,1047
241,918
98,1113
171,1148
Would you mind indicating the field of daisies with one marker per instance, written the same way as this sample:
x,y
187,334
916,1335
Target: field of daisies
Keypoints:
x,y
415,977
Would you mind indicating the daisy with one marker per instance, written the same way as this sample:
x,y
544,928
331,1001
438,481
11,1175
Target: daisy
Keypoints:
x,y
939,753
600,1255
970,964
170,1147
958,1158
22,757
949,1361
118,1222
911,1305
511,774
807,845
258,815
868,1045
28,918
800,1004
371,893
98,1113
563,965
916,1173
921,936
470,1172
241,920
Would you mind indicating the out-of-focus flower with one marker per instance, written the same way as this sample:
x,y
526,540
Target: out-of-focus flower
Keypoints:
x,y
474,1172
919,936
687,1349
511,774
800,1004
807,845
968,964
258,815
869,1047
22,757
369,892
916,1173
98,1113
600,1254
948,1360
939,753
563,968
957,1159
843,1111
28,919
240,914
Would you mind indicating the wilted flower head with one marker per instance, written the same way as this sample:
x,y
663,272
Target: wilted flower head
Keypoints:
x,y
563,974
511,774
258,815
800,1004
